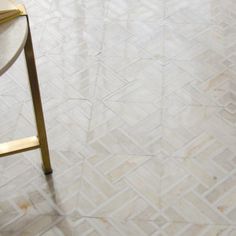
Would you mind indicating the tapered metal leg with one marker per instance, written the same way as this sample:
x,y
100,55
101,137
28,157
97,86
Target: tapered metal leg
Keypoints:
x,y
37,104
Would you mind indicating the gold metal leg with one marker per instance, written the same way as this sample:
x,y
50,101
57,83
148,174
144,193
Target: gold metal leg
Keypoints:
x,y
38,111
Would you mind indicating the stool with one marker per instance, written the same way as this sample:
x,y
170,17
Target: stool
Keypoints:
x,y
15,36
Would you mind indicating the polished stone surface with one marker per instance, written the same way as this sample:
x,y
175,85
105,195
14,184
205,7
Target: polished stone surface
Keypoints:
x,y
140,107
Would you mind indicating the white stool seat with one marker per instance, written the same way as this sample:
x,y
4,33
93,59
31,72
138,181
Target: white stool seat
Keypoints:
x,y
13,35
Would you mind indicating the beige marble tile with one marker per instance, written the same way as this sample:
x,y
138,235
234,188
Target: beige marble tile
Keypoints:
x,y
139,103
118,56
21,202
142,81
223,13
26,191
31,225
220,89
107,82
60,116
187,126
108,226
201,193
138,91
139,69
190,40
132,10
120,186
131,128
193,11
182,88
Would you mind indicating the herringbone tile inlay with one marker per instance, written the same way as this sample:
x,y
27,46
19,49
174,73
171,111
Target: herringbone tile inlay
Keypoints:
x,y
140,107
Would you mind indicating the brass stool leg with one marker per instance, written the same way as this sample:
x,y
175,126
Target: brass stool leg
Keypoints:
x,y
38,111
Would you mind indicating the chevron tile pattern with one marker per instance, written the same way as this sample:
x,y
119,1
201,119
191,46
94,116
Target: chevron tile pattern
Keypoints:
x,y
140,107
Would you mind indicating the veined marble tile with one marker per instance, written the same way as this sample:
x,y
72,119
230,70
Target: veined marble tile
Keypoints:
x,y
107,82
181,125
120,55
62,189
224,12
132,128
113,32
220,89
142,82
31,225
203,192
150,10
192,11
33,192
34,10
20,199
95,9
184,42
204,66
66,226
139,104
139,91
139,69
104,226
119,186
153,41
14,124
181,87
86,35
66,132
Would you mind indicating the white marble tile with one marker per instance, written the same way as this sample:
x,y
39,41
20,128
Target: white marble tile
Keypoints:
x,y
198,190
188,41
133,128
193,11
187,126
183,87
139,103
120,186
132,10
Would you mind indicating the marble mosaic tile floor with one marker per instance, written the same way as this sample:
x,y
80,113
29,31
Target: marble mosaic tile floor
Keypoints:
x,y
140,107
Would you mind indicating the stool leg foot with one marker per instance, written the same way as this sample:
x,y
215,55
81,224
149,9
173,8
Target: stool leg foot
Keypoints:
x,y
47,171
37,104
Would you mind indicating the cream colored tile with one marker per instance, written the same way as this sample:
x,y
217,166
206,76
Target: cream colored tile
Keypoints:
x,y
192,11
197,194
188,41
139,92
118,56
107,82
62,190
180,88
139,102
139,70
223,13
108,226
113,33
31,225
197,229
131,128
63,227
61,117
21,202
186,128
220,89
120,186
132,10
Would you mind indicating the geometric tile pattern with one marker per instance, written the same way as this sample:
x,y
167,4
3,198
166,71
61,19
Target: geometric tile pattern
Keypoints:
x,y
140,108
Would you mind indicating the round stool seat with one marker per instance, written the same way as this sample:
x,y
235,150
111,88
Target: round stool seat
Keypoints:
x,y
13,35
